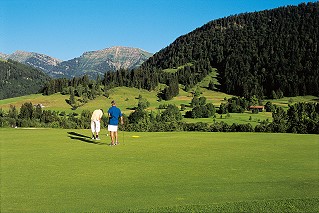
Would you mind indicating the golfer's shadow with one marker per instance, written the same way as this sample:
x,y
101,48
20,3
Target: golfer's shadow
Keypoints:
x,y
83,138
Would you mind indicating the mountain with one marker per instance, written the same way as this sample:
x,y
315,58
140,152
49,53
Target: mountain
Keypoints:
x,y
3,56
92,63
36,60
95,63
269,53
18,79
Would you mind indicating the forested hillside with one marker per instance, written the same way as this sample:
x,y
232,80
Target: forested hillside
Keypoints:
x,y
267,54
272,53
17,79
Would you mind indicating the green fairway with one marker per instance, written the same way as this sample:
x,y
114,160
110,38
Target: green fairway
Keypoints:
x,y
57,170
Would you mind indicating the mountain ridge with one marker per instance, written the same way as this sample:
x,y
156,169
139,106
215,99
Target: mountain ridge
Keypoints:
x,y
92,63
36,60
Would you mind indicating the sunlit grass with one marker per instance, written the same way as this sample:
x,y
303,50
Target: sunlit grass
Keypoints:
x,y
56,170
127,100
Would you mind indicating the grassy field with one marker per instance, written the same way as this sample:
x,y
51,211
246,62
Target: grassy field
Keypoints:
x,y
284,102
56,170
239,118
127,99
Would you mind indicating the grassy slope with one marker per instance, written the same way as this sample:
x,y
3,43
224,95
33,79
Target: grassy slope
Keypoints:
x,y
126,99
54,102
55,170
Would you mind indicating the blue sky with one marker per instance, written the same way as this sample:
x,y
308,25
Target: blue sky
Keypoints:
x,y
64,29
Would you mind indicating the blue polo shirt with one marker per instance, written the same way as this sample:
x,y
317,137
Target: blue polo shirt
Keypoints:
x,y
115,114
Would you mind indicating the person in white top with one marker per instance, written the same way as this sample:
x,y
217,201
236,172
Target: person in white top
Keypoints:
x,y
96,123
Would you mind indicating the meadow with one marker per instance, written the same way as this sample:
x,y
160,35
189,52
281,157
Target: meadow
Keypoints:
x,y
59,170
127,100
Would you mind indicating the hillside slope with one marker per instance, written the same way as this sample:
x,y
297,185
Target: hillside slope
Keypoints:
x,y
268,53
17,79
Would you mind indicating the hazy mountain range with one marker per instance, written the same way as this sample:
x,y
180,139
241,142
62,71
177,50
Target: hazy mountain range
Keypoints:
x,y
92,63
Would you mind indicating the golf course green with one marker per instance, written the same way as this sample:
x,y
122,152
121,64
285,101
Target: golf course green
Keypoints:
x,y
58,170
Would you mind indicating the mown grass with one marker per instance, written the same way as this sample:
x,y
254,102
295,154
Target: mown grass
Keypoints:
x,y
285,205
56,170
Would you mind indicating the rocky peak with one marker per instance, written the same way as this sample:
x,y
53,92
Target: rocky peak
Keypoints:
x,y
91,62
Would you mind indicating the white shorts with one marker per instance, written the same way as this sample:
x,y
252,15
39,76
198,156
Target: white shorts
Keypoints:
x,y
95,126
112,128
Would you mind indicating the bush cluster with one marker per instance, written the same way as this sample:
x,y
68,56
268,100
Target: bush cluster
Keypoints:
x,y
300,118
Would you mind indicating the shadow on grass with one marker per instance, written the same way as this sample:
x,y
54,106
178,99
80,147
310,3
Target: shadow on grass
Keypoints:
x,y
84,138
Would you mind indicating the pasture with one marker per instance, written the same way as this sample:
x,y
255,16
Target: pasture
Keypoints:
x,y
126,99
58,170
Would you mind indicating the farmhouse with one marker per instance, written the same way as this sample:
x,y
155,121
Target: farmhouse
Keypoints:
x,y
259,108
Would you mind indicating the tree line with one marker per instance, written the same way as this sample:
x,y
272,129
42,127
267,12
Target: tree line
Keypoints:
x,y
145,78
300,118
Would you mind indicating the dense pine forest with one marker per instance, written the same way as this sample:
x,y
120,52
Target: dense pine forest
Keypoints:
x,y
272,53
17,79
267,53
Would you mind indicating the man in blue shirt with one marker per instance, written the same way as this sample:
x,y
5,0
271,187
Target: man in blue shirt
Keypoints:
x,y
114,115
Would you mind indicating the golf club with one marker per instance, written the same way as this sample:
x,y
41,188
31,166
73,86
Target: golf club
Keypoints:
x,y
123,133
